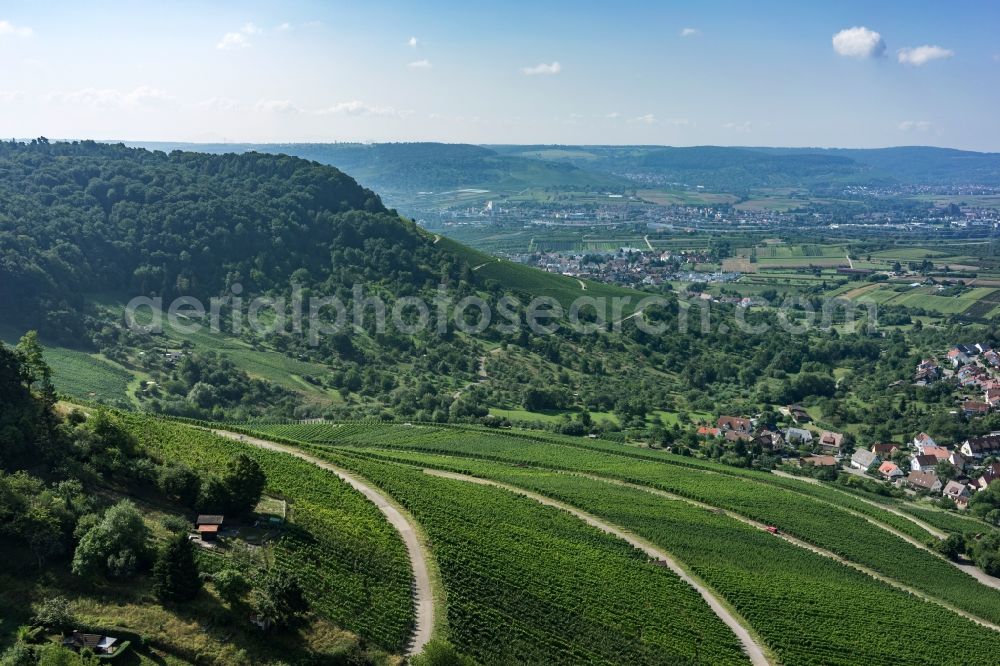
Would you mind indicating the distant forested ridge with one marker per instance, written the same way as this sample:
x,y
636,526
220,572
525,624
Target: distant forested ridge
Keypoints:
x,y
90,217
433,167
407,169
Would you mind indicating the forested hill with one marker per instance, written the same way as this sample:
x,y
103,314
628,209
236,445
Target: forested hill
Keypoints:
x,y
408,168
90,217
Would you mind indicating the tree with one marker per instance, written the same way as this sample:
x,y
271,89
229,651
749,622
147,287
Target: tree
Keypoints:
x,y
245,482
175,572
945,471
986,503
180,482
952,547
39,372
19,654
116,546
278,598
231,584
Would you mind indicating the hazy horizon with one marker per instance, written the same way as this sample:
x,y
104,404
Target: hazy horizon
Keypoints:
x,y
488,144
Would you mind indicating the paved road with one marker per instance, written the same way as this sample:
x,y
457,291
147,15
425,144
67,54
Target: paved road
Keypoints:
x,y
753,649
424,598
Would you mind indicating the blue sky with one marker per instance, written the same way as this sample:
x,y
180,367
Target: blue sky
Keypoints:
x,y
673,73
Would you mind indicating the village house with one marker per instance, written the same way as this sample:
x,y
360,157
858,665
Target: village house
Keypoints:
x,y
957,356
770,440
957,460
927,371
208,526
938,452
991,397
737,436
922,440
864,459
831,442
922,463
799,414
979,447
927,481
990,474
885,449
890,471
798,436
734,423
973,408
958,492
707,431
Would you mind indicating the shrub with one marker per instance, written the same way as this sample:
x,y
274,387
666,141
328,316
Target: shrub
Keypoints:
x,y
53,612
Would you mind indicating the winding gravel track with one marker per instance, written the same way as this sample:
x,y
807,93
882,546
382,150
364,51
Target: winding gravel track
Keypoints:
x,y
419,556
750,645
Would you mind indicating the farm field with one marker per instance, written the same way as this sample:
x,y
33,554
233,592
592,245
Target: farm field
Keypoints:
x,y
530,584
768,580
84,374
826,518
922,297
782,502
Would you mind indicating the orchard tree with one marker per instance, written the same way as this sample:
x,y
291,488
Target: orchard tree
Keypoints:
x,y
175,572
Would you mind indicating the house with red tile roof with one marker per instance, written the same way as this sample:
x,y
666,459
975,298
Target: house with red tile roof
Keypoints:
x,y
890,471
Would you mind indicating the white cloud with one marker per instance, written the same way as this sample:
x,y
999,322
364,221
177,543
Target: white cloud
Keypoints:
x,y
352,108
914,125
745,126
690,32
921,55
412,42
217,104
543,68
359,108
11,95
277,106
648,119
420,64
109,98
238,40
8,28
233,40
613,115
858,42
283,27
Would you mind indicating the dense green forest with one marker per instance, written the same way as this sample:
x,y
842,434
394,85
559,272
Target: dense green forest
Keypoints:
x,y
84,227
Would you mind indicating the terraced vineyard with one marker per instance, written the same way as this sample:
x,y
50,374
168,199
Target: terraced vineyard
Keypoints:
x,y
772,583
529,584
817,521
352,563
